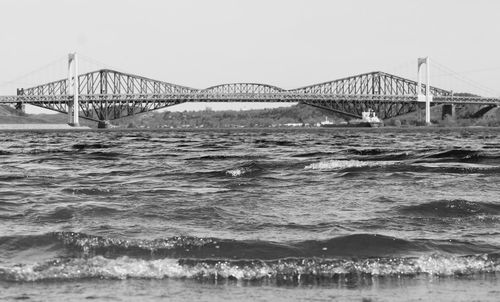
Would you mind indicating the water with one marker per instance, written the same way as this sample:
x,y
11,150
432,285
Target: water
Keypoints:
x,y
348,214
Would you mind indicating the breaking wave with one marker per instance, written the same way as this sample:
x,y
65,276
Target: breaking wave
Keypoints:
x,y
306,270
247,169
454,167
345,164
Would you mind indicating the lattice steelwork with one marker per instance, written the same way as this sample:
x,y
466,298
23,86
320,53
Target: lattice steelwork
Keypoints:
x,y
238,88
95,87
368,84
107,95
241,92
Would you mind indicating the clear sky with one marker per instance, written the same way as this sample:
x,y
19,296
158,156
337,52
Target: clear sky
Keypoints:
x,y
287,43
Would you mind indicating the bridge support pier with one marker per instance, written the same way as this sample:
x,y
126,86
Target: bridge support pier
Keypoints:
x,y
104,125
448,110
20,105
73,105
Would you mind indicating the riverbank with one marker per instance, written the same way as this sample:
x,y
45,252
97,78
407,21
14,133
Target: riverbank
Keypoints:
x,y
40,127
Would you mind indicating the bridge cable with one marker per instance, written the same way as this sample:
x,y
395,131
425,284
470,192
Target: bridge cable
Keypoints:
x,y
36,71
448,71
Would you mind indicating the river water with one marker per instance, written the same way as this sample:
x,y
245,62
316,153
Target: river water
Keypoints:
x,y
264,214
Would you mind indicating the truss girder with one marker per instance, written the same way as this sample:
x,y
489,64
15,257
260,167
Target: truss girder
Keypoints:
x,y
373,83
286,96
107,95
109,82
242,88
354,109
113,106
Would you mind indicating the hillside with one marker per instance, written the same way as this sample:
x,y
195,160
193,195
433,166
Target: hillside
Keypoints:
x,y
464,116
298,114
302,115
9,115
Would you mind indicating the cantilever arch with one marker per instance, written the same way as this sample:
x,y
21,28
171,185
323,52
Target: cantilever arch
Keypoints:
x,y
427,98
73,106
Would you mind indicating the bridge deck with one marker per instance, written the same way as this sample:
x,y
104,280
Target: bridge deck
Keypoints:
x,y
107,95
288,97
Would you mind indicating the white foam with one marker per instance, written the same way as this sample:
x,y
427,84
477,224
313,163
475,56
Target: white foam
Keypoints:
x,y
236,172
343,164
125,267
461,166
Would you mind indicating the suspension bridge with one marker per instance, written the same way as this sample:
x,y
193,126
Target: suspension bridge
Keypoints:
x,y
105,95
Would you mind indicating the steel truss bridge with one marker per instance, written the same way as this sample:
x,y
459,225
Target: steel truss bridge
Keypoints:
x,y
108,95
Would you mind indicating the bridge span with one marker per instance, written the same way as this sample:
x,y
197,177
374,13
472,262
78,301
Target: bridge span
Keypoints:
x,y
106,95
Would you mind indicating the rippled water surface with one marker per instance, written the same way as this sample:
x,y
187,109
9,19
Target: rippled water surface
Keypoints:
x,y
250,214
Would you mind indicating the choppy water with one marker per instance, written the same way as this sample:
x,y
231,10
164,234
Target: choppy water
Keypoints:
x,y
320,213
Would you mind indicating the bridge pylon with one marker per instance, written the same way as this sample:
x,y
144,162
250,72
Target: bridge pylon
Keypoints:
x,y
73,105
427,98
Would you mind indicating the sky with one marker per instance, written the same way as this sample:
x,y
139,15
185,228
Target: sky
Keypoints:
x,y
286,43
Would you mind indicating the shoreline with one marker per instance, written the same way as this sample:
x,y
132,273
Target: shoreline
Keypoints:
x,y
41,127
7,127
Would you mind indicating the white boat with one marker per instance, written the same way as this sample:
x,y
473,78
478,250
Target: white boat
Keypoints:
x,y
368,119
326,123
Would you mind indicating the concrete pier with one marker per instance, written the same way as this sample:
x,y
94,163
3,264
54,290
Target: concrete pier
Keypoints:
x,y
448,110
104,125
20,107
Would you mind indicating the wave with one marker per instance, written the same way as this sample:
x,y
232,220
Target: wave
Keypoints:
x,y
67,213
374,154
76,148
247,169
462,155
313,154
295,270
393,156
105,155
10,177
11,216
220,157
389,165
89,191
345,164
374,151
454,153
453,167
265,142
37,151
449,161
59,214
452,208
203,213
82,146
356,245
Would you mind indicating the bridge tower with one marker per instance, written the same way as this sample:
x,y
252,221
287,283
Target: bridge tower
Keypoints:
x,y
73,106
427,98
